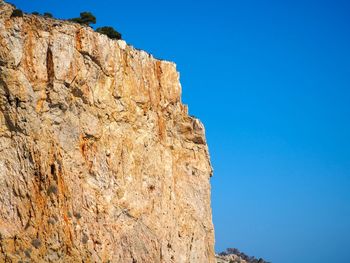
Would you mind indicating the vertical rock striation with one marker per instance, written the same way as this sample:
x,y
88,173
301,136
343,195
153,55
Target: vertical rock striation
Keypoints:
x,y
99,159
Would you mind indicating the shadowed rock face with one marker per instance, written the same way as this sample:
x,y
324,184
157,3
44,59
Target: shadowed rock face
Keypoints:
x,y
99,160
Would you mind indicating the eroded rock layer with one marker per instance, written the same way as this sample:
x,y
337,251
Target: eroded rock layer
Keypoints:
x,y
99,159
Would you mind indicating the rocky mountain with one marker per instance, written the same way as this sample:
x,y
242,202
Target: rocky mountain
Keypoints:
x,y
233,255
99,159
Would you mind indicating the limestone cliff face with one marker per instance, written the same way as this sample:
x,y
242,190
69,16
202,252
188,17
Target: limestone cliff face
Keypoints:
x,y
99,160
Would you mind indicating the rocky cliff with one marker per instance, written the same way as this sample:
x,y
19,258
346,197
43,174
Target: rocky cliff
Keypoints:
x,y
99,159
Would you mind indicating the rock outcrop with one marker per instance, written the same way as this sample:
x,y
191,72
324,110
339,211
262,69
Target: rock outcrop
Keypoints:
x,y
99,159
229,259
233,255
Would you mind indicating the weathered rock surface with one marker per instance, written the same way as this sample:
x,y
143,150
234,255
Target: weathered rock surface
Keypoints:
x,y
229,259
233,255
99,159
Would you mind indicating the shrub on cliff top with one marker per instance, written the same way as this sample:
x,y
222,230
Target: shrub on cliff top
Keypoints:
x,y
86,18
17,13
110,32
235,251
48,15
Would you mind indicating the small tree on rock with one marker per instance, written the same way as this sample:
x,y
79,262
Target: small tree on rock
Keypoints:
x,y
86,18
48,15
110,32
17,13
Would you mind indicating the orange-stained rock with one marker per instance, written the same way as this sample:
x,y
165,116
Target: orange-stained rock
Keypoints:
x,y
99,160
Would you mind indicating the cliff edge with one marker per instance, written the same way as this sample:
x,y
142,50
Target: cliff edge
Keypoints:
x,y
99,159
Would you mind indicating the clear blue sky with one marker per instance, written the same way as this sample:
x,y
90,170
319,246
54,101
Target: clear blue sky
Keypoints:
x,y
271,82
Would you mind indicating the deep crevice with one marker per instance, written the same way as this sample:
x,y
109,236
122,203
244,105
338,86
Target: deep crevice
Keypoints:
x,y
50,67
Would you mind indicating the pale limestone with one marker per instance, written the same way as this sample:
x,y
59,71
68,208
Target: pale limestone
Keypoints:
x,y
99,159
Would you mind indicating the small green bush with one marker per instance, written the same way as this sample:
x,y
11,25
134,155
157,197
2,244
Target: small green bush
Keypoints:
x,y
86,18
110,32
49,15
17,13
35,13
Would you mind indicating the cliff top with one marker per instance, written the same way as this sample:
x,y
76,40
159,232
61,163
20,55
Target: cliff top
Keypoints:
x,y
6,10
100,160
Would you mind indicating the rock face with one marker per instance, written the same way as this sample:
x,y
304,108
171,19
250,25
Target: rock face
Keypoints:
x,y
229,259
99,159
